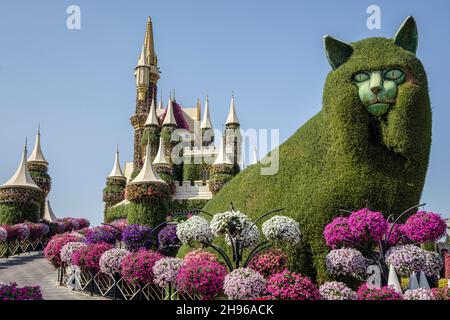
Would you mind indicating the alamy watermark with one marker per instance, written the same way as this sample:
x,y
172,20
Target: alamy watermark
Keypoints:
x,y
374,20
73,21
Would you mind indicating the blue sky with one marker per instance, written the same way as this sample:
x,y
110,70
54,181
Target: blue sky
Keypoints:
x,y
79,85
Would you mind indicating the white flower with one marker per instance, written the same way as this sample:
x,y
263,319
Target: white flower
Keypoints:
x,y
69,249
249,237
244,283
336,291
3,234
194,229
346,262
166,270
418,294
282,229
111,260
229,221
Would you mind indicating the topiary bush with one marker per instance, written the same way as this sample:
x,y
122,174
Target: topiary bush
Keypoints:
x,y
344,156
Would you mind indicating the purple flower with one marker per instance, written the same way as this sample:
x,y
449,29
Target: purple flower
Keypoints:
x,y
101,234
136,237
424,226
167,237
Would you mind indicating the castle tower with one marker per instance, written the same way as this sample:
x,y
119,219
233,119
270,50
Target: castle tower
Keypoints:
x,y
206,126
20,197
222,170
148,195
152,131
114,192
169,125
163,167
38,169
147,75
233,137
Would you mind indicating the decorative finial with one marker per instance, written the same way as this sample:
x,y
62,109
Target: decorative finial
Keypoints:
x,y
117,148
25,146
39,129
174,99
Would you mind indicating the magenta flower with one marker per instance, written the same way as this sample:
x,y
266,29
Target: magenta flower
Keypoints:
x,y
367,225
269,262
425,226
137,267
384,293
292,286
337,233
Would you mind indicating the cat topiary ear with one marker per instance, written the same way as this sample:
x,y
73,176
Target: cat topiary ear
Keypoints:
x,y
407,36
337,52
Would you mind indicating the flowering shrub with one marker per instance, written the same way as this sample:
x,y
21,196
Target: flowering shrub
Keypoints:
x,y
69,249
199,255
83,223
120,224
346,262
394,234
136,237
336,291
418,294
110,261
3,234
101,234
424,226
337,233
441,293
166,270
37,230
204,278
12,292
194,229
292,286
70,224
269,262
167,237
20,231
433,264
244,283
282,229
88,258
406,259
53,249
364,223
137,267
384,293
233,221
248,238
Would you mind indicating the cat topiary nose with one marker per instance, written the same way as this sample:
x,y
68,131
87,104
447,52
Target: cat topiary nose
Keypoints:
x,y
376,82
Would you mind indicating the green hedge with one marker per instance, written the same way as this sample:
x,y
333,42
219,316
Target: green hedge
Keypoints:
x,y
344,156
150,214
115,213
12,214
186,205
191,172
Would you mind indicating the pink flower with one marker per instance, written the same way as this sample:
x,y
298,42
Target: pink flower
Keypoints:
x,y
269,262
292,286
337,233
424,226
367,225
138,266
384,293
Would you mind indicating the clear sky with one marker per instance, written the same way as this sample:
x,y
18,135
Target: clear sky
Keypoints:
x,y
79,85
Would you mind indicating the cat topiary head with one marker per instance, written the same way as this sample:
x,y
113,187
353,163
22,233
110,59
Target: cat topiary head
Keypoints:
x,y
377,92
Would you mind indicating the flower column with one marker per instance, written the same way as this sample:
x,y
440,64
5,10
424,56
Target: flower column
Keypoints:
x,y
114,193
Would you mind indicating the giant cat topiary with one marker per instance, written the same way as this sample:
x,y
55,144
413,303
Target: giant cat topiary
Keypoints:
x,y
370,143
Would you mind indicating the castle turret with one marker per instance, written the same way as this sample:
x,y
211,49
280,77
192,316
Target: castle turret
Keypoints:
x,y
233,137
147,75
114,192
221,170
148,195
163,167
38,168
169,125
20,197
152,131
206,126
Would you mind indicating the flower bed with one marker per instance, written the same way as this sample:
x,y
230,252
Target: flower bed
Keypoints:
x,y
13,292
244,284
292,286
137,267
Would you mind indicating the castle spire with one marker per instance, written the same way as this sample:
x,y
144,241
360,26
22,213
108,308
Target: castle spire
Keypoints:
x,y
147,173
222,157
21,177
152,119
206,121
116,171
36,155
161,104
169,119
149,43
160,158
49,215
232,116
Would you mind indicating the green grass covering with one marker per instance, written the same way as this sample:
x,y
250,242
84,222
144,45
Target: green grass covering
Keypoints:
x,y
115,213
150,214
343,156
12,214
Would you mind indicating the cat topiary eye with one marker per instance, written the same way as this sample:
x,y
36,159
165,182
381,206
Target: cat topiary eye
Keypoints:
x,y
361,77
393,74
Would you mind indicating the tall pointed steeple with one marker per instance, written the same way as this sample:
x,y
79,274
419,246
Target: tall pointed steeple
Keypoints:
x,y
169,119
152,119
143,61
36,155
147,173
160,159
206,121
161,104
49,215
21,177
149,43
116,171
222,157
232,116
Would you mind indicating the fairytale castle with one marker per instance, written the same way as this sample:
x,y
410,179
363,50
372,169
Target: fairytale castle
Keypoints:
x,y
180,141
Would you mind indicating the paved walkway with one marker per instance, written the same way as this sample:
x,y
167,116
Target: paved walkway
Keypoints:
x,y
30,269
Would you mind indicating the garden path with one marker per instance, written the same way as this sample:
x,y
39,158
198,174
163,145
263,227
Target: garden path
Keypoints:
x,y
30,269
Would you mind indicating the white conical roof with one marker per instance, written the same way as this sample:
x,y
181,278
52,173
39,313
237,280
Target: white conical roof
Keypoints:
x,y
48,214
206,121
413,283
161,104
170,116
232,116
37,155
393,280
142,62
22,176
222,157
116,171
160,156
147,173
423,282
152,119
